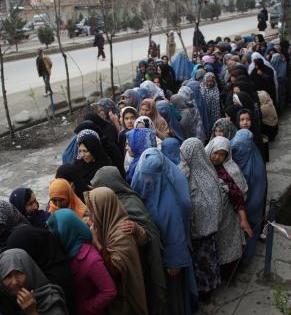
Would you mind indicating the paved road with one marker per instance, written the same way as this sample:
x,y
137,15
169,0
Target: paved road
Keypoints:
x,y
21,75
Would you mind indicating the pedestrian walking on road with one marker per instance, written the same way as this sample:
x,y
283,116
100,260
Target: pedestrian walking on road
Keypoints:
x,y
44,68
99,43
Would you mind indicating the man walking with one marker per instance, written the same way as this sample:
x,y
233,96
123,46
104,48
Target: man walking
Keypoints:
x,y
44,68
99,42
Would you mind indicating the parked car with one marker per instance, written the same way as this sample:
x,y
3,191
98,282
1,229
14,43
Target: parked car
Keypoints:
x,y
82,28
275,14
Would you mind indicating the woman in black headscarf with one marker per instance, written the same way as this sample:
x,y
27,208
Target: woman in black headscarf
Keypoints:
x,y
167,79
24,200
91,155
109,138
25,282
239,101
245,120
263,78
71,174
45,250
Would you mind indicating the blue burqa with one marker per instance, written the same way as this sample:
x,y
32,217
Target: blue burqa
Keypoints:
x,y
169,113
171,149
139,140
248,158
164,190
182,66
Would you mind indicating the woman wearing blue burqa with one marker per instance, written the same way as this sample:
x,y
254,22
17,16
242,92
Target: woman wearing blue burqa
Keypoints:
x,y
164,190
182,66
248,158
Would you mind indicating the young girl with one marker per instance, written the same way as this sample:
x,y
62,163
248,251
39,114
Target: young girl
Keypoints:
x,y
127,119
245,121
223,127
148,108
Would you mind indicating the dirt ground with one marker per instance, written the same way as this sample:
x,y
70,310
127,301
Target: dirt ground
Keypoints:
x,y
42,135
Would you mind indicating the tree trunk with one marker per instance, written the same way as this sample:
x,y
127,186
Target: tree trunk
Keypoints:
x,y
58,19
182,42
16,46
150,39
5,102
111,68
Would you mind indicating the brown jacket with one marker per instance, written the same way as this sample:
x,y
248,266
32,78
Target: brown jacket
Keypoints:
x,y
43,65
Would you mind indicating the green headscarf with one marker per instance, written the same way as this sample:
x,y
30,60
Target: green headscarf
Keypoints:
x,y
70,230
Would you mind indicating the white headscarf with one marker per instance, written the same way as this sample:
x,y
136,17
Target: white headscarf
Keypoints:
x,y
221,143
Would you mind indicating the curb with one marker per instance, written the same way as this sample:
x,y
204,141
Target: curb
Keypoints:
x,y
71,47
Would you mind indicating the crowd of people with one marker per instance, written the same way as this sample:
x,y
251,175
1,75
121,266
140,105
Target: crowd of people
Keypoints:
x,y
161,196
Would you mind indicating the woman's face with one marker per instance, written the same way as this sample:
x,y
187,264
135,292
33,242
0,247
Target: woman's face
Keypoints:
x,y
14,282
159,71
142,68
85,154
218,132
140,125
32,205
101,112
245,121
210,82
218,157
145,111
129,119
128,149
236,89
232,79
60,202
157,82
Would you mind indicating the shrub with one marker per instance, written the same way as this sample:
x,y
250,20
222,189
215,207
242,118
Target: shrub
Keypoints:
x,y
46,35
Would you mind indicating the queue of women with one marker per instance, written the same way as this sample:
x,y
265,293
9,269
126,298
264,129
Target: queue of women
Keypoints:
x,y
161,197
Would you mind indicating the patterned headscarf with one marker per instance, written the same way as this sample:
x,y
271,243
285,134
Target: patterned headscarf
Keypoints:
x,y
204,188
221,143
139,140
146,121
226,126
212,98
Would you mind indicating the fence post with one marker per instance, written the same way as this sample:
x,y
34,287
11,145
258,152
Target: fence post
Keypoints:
x,y
270,237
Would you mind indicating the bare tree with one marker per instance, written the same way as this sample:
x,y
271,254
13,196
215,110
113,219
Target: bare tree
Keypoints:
x,y
174,11
57,9
114,13
151,14
4,95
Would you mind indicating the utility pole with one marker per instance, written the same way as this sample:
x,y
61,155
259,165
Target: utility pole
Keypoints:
x,y
286,6
7,6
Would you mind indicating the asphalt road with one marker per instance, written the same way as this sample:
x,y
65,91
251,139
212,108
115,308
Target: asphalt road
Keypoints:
x,y
21,75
